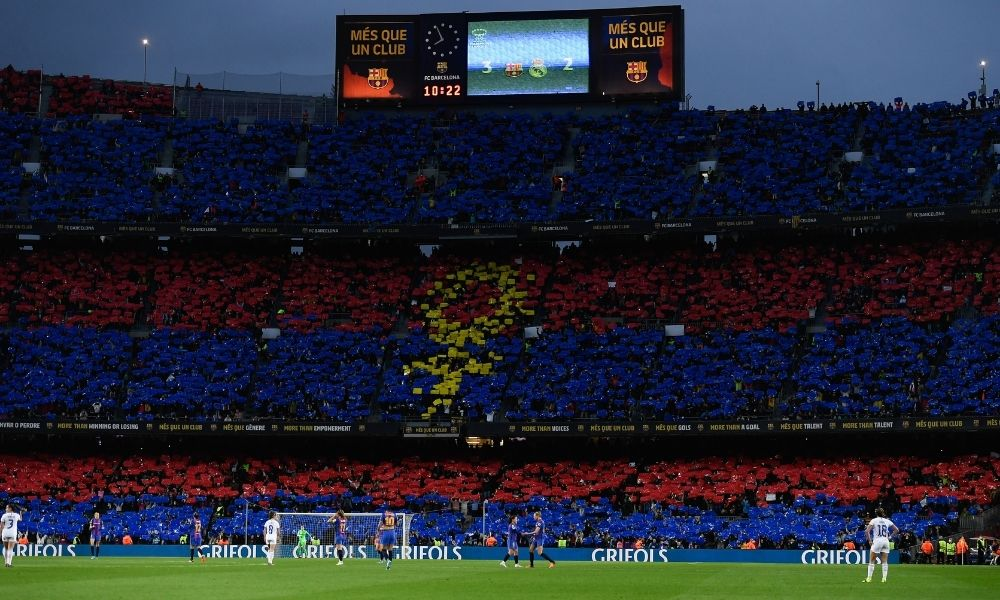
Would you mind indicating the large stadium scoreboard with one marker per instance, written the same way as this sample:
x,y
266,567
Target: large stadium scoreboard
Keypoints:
x,y
455,58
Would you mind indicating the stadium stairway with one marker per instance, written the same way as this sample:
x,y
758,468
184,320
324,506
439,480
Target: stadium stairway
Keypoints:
x,y
566,166
166,157
989,191
507,401
35,148
278,295
374,412
859,133
45,100
711,151
302,153
788,384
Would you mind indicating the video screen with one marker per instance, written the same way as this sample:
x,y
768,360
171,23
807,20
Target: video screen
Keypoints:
x,y
637,55
545,56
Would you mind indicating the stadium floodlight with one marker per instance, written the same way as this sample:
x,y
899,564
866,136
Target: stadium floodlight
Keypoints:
x,y
145,45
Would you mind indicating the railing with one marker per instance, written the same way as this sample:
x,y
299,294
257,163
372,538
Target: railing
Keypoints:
x,y
225,105
283,96
986,520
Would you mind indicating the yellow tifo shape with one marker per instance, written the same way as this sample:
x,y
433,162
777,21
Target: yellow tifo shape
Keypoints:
x,y
452,365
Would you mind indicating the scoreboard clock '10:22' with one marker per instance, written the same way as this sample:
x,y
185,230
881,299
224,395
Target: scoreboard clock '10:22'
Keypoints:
x,y
455,58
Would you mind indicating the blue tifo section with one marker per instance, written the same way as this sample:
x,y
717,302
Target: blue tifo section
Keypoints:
x,y
654,555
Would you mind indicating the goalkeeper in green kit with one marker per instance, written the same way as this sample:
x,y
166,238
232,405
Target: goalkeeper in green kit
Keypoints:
x,y
303,537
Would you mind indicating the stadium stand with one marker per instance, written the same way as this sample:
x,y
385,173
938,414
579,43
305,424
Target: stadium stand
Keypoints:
x,y
717,375
469,167
192,375
635,165
927,282
19,90
830,330
704,502
82,95
868,371
472,314
601,380
776,162
97,170
96,289
923,157
15,143
966,381
360,294
227,175
358,173
853,323
493,168
10,269
204,291
57,371
703,288
326,375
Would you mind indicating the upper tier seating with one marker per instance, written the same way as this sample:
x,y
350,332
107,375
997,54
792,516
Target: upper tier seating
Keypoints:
x,y
358,172
497,169
97,170
776,163
82,95
15,143
227,176
479,168
19,90
634,166
920,158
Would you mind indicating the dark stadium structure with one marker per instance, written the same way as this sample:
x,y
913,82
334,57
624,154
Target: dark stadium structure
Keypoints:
x,y
686,327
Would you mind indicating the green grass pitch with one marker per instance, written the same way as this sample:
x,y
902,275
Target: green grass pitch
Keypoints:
x,y
225,579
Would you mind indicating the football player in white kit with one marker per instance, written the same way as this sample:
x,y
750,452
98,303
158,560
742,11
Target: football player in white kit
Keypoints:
x,y
9,534
271,528
877,533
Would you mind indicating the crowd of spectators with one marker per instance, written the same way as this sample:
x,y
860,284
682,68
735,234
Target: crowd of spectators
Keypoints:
x,y
708,502
704,332
648,164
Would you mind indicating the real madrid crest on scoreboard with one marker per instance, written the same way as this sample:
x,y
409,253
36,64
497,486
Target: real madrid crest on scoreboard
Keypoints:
x,y
538,68
453,58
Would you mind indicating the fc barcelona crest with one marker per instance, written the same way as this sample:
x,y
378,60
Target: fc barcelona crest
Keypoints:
x,y
636,72
442,67
378,77
513,70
